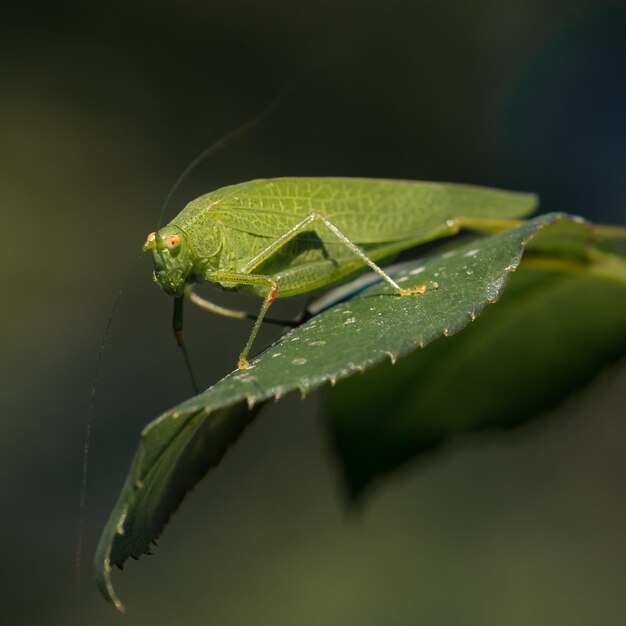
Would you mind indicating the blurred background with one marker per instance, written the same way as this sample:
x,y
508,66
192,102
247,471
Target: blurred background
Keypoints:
x,y
102,105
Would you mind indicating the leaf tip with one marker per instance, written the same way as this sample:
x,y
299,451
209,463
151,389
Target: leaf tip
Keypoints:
x,y
103,580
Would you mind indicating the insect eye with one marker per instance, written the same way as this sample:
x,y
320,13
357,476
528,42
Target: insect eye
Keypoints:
x,y
150,238
173,241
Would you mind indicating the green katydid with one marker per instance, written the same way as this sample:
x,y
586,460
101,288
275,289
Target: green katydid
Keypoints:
x,y
287,236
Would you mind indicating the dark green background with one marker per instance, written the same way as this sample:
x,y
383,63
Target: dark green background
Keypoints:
x,y
101,106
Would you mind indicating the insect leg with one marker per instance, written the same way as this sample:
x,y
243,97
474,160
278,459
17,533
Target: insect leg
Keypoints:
x,y
177,323
249,279
358,252
207,305
266,253
316,217
482,225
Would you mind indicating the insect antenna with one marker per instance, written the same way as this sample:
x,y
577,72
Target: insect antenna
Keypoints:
x,y
221,143
82,504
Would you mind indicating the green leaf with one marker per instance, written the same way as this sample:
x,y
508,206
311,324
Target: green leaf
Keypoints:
x,y
182,444
173,456
549,336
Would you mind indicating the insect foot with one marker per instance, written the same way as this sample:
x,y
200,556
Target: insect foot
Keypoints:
x,y
243,364
412,290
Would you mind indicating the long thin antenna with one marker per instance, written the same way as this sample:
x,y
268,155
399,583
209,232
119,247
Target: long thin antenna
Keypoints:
x,y
224,141
82,505
221,143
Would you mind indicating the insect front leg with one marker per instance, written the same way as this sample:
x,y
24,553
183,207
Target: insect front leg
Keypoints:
x,y
239,278
177,325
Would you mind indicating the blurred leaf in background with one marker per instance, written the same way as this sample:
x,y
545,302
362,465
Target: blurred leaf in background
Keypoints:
x,y
550,335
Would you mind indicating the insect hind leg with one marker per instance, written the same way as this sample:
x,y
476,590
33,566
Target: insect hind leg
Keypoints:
x,y
419,289
298,228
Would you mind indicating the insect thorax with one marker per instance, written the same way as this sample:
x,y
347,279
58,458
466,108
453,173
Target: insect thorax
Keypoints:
x,y
205,240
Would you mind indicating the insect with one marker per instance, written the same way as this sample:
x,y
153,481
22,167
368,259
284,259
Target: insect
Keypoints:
x,y
281,237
